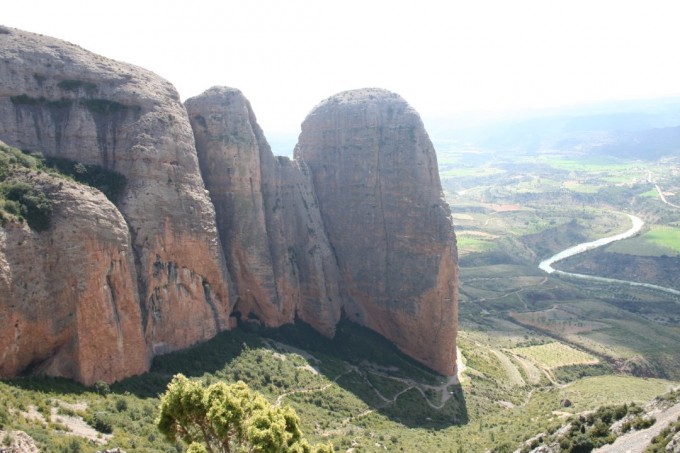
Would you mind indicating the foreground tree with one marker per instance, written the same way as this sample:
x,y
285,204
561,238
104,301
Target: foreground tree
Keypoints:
x,y
225,418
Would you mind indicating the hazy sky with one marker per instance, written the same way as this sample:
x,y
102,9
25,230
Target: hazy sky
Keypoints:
x,y
441,56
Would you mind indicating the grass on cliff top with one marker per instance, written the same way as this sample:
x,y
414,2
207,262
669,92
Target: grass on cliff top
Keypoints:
x,y
21,200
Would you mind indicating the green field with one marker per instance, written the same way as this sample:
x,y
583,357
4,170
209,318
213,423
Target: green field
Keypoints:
x,y
469,244
664,237
555,355
589,165
591,392
658,241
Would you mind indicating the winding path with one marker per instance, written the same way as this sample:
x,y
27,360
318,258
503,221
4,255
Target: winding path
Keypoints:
x,y
663,197
638,223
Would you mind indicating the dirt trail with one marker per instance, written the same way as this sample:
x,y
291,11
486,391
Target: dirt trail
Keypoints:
x,y
663,197
280,398
75,424
442,389
637,441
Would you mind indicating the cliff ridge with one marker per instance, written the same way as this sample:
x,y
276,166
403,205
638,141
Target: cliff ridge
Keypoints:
x,y
211,228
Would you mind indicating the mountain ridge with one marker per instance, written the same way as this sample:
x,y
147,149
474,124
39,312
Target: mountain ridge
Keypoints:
x,y
220,231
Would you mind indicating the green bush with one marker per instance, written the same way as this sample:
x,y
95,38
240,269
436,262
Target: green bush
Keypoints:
x,y
29,203
121,405
100,421
581,444
4,415
109,182
102,388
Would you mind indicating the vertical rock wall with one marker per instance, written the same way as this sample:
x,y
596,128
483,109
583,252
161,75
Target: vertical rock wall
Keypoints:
x,y
376,178
271,230
63,101
68,297
356,223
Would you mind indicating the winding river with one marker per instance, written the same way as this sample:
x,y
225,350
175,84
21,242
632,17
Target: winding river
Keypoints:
x,y
546,265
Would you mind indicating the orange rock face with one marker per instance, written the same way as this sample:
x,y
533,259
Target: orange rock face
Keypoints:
x,y
273,238
356,224
68,297
376,178
63,101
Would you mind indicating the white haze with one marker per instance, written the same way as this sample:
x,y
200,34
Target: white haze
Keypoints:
x,y
442,57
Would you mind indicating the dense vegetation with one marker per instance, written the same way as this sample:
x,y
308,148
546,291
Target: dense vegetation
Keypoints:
x,y
222,418
660,442
25,198
20,200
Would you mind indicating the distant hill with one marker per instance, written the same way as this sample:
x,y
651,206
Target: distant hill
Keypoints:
x,y
641,129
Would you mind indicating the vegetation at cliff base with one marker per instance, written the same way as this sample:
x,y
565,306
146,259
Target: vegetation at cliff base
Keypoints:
x,y
224,418
371,398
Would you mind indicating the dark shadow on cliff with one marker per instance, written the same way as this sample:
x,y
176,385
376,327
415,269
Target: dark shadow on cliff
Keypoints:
x,y
361,362
384,378
366,367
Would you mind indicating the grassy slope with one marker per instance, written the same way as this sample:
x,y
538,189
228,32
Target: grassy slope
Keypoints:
x,y
357,390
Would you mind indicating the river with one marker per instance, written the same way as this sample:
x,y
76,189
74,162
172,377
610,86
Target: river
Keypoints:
x,y
638,223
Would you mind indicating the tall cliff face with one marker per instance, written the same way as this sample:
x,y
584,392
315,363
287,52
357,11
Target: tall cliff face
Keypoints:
x,y
64,101
375,175
68,297
275,243
355,224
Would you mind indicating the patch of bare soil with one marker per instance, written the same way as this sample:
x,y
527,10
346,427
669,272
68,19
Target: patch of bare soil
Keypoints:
x,y
19,442
74,424
78,427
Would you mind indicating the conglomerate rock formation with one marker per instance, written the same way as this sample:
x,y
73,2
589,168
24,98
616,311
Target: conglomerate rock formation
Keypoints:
x,y
211,227
376,178
272,234
68,296
63,101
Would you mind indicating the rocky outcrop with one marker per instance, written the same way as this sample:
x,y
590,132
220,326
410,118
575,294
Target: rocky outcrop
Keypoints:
x,y
19,442
355,224
68,296
64,101
376,179
271,230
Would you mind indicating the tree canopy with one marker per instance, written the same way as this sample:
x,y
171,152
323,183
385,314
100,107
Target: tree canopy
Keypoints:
x,y
224,418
